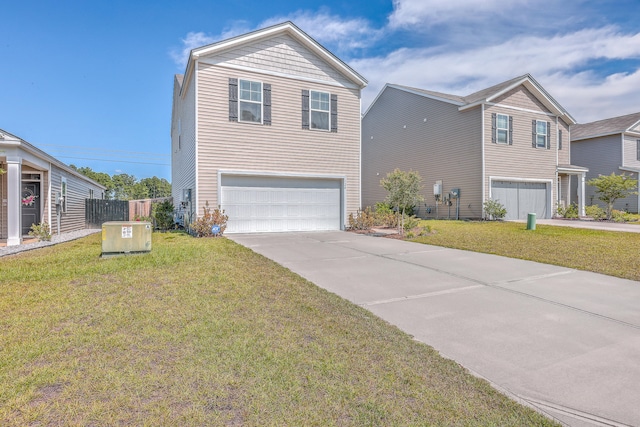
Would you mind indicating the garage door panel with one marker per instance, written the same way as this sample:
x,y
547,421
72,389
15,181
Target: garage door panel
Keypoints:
x,y
521,198
306,205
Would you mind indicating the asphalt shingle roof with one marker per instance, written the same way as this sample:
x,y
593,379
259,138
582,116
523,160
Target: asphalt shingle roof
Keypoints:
x,y
610,126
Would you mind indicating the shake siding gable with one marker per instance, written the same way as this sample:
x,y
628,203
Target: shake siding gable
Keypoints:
x,y
280,55
446,146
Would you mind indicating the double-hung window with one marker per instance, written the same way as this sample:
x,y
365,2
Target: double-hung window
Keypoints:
x,y
319,106
541,134
250,97
502,129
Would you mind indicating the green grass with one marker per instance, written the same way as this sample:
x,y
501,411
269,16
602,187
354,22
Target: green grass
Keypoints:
x,y
606,252
206,332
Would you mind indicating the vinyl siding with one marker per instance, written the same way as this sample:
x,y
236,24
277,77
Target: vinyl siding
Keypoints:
x,y
631,152
77,192
564,155
282,55
520,160
284,147
183,146
520,97
447,146
602,156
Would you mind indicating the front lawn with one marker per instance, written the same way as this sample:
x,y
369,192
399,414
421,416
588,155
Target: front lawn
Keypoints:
x,y
606,252
206,332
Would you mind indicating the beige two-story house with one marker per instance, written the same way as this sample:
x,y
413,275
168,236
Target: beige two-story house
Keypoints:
x,y
609,146
266,126
509,143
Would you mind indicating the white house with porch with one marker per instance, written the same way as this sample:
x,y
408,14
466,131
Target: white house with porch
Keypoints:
x,y
36,187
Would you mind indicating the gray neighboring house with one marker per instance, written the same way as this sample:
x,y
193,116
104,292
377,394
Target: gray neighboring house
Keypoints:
x,y
609,146
266,125
32,182
509,142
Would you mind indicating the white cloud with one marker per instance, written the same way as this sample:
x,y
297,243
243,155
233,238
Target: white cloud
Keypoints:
x,y
549,59
198,39
409,13
345,34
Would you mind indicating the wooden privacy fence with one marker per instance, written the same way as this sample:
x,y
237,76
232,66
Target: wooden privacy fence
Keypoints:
x,y
99,211
142,208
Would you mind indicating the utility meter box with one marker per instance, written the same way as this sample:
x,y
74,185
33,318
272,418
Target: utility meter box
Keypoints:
x,y
124,237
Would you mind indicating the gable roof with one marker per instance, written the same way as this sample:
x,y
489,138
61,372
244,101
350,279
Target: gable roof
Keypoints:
x,y
288,28
489,94
7,138
612,126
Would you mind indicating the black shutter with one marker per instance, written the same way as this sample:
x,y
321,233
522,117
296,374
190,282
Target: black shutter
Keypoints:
x,y
494,128
266,103
548,135
233,100
533,130
334,113
510,130
638,149
305,109
559,140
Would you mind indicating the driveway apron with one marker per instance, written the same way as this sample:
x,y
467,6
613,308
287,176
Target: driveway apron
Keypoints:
x,y
564,341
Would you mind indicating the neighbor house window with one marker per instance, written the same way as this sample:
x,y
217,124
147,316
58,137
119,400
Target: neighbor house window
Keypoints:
x,y
638,149
319,106
250,96
541,134
63,194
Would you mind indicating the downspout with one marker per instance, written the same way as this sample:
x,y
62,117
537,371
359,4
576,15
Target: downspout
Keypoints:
x,y
557,164
195,140
483,162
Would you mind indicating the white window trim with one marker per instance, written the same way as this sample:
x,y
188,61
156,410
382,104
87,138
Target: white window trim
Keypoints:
x,y
498,128
261,103
311,110
545,134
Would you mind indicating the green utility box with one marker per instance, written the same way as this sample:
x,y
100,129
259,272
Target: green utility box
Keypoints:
x,y
531,221
124,237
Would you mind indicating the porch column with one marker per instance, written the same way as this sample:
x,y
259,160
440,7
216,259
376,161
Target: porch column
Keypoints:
x,y
14,211
581,194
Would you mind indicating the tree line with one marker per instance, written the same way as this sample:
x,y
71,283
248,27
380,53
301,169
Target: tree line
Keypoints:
x,y
127,187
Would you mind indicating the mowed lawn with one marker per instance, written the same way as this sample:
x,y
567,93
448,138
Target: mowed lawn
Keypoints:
x,y
206,332
607,252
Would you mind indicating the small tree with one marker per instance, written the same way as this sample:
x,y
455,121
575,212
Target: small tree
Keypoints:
x,y
494,209
613,187
404,191
163,214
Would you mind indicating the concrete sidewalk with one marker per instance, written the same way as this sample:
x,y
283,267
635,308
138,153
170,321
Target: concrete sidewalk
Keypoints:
x,y
566,342
593,225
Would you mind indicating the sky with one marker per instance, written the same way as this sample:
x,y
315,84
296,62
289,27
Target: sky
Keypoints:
x,y
90,82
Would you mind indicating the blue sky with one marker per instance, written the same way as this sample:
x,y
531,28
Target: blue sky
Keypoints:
x,y
90,82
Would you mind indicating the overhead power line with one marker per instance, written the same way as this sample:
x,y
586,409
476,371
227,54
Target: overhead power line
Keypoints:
x,y
116,161
78,147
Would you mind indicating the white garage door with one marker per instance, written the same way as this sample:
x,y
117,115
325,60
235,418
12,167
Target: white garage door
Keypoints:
x,y
521,198
271,204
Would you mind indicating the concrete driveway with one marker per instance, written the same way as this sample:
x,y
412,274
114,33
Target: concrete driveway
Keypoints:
x,y
564,341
